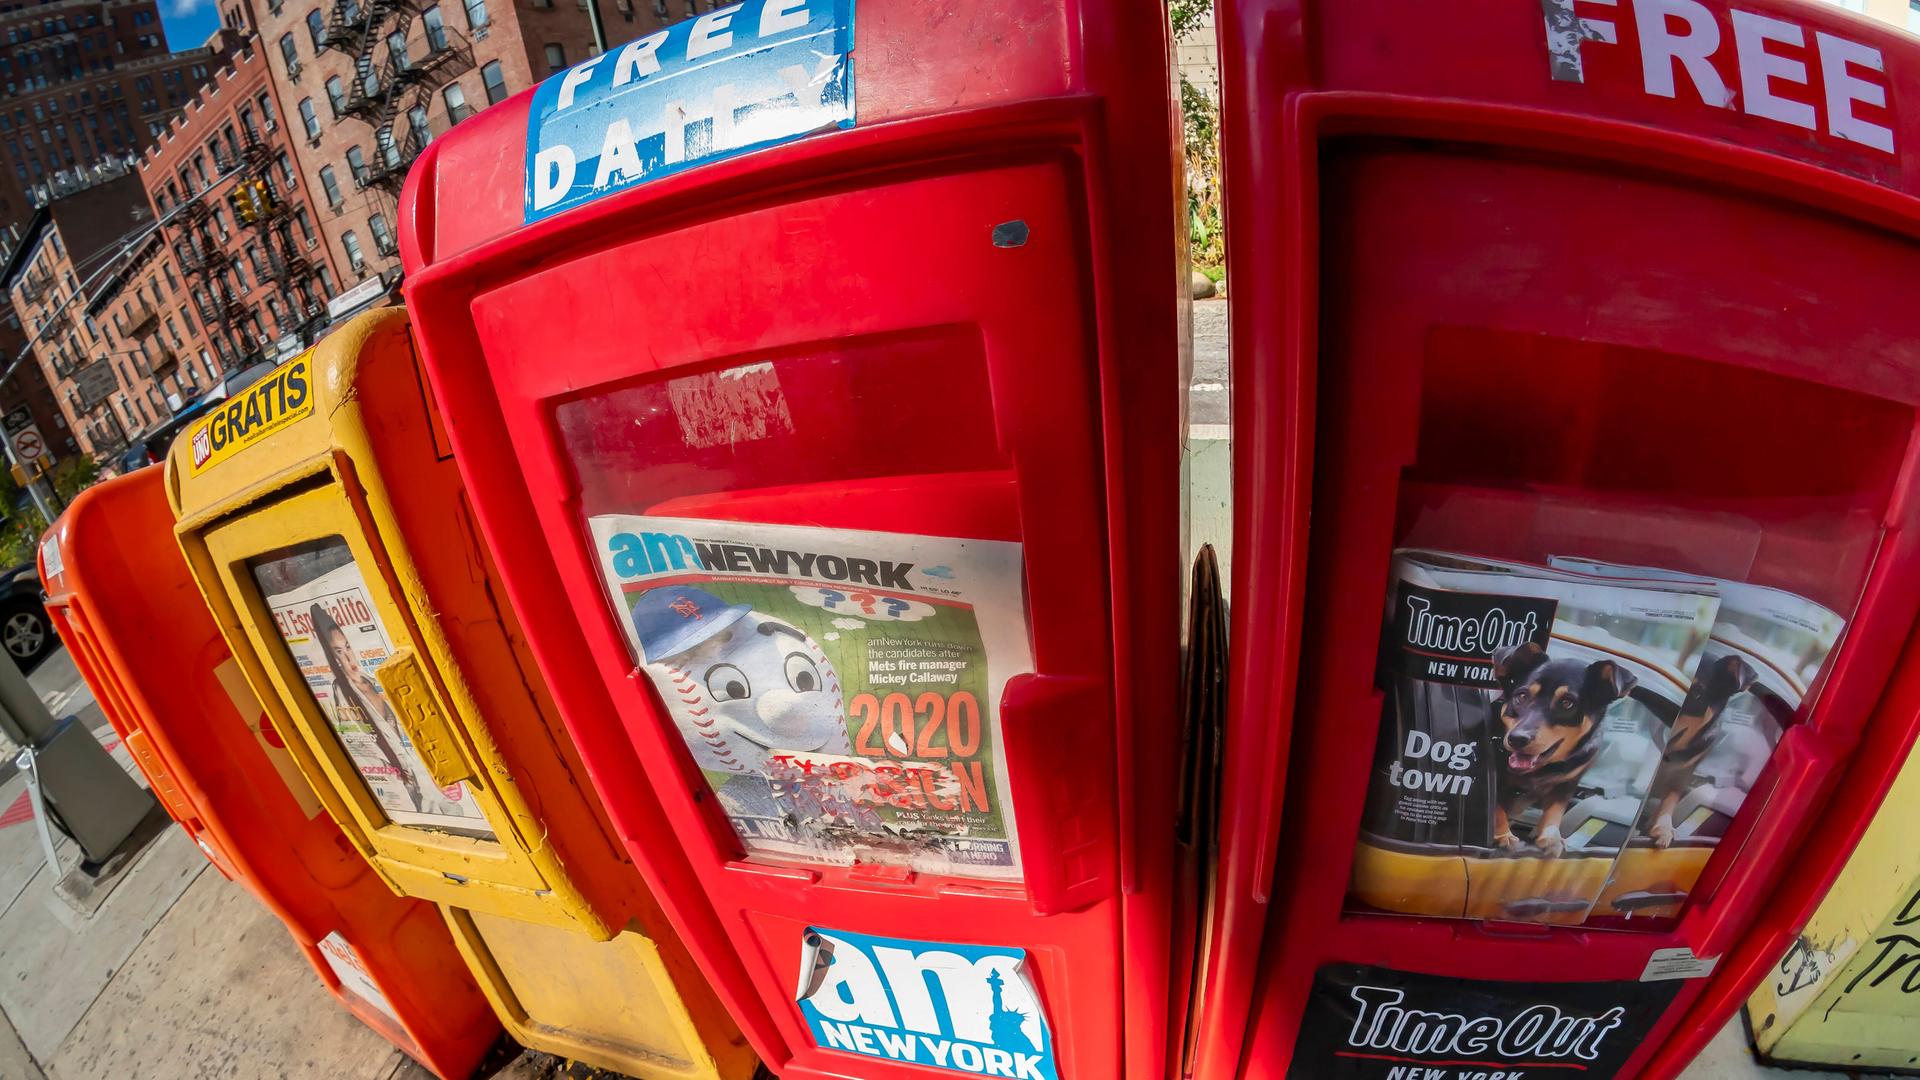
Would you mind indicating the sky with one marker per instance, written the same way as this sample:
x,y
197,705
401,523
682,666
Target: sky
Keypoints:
x,y
189,22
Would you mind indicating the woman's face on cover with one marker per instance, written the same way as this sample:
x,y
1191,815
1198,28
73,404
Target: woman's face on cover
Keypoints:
x,y
341,651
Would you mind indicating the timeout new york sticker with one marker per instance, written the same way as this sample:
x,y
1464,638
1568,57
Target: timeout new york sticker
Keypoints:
x,y
741,78
968,1009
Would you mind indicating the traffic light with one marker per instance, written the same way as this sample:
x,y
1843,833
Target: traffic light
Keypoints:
x,y
251,200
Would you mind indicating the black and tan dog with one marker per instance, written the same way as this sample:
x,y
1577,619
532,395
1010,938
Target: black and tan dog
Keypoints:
x,y
1695,731
1550,712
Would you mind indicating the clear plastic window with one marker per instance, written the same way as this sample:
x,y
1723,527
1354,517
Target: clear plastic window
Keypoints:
x,y
327,618
809,557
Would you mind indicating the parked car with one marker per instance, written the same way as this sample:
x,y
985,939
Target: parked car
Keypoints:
x,y
24,627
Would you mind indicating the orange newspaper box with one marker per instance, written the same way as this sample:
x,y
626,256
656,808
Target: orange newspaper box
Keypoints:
x,y
120,595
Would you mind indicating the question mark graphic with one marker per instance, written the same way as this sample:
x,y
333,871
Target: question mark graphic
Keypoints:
x,y
833,597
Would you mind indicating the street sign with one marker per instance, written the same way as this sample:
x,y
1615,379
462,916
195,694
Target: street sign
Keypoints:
x,y
355,298
94,383
28,446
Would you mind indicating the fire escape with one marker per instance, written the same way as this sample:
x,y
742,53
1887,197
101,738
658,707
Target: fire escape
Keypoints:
x,y
211,257
207,263
404,77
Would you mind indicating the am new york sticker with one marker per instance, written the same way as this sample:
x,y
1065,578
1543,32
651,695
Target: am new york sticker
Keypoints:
x,y
969,1009
741,78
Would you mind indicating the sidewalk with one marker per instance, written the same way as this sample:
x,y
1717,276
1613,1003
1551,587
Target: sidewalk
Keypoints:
x,y
178,974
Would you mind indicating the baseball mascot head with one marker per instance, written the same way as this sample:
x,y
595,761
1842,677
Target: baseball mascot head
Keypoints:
x,y
739,683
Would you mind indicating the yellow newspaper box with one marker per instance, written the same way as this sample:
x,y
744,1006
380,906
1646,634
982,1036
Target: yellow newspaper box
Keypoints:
x,y
324,519
1847,994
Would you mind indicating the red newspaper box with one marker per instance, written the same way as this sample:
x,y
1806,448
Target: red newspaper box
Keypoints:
x,y
1577,330
837,482
130,614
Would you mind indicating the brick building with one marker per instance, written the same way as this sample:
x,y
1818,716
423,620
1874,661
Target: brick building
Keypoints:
x,y
103,309
87,83
239,220
366,84
28,384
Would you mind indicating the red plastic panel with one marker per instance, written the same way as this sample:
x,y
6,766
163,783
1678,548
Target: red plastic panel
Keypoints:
x,y
1516,298
120,594
968,305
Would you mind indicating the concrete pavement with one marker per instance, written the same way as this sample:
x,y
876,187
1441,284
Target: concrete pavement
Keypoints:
x,y
178,974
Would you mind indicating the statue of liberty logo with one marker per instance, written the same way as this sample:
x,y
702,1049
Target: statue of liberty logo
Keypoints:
x,y
1007,1024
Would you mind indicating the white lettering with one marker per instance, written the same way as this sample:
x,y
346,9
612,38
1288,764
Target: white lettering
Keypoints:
x,y
780,16
837,1035
809,90
960,979
1539,1031
863,1038
852,991
1758,68
573,78
1026,1066
898,1047
674,132
1660,48
967,1056
723,110
1844,88
938,1048
619,157
710,32
638,59
552,175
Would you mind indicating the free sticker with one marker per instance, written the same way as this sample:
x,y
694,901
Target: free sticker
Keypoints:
x,y
273,403
744,77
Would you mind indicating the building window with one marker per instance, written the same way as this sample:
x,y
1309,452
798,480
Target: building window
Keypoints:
x,y
317,29
456,99
286,170
304,222
331,185
336,95
357,164
397,51
355,258
382,234
418,132
556,57
247,121
266,111
309,119
496,82
436,28
477,14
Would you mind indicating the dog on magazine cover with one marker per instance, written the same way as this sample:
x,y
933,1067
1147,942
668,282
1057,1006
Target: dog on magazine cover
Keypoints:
x,y
1695,732
1551,732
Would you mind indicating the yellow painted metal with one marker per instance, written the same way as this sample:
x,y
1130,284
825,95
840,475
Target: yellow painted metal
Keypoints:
x,y
612,1004
363,462
1848,992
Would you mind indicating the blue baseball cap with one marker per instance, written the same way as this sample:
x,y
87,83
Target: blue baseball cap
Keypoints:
x,y
674,618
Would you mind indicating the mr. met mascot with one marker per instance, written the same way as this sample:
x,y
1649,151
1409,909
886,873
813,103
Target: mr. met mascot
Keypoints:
x,y
744,687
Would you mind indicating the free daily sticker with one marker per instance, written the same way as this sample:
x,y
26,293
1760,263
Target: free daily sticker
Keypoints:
x,y
963,1008
740,78
284,396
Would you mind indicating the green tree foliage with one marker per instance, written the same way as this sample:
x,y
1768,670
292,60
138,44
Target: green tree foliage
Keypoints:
x,y
1201,130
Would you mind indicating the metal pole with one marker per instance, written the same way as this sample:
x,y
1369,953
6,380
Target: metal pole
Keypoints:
x,y
33,486
599,30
